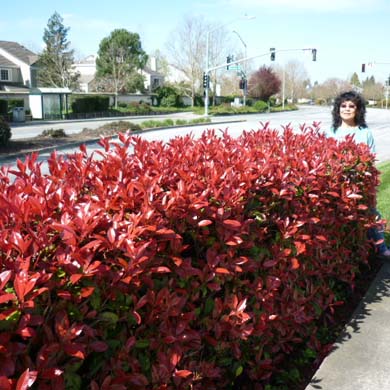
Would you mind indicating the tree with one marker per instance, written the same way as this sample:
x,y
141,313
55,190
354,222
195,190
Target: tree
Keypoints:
x,y
187,52
186,48
263,84
55,62
120,55
329,89
372,90
355,80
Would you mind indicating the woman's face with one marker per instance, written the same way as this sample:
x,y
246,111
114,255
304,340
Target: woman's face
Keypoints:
x,y
348,112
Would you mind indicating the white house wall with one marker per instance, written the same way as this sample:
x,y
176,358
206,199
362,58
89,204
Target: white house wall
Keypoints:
x,y
36,106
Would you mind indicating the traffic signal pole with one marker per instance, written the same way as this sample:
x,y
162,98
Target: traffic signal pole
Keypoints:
x,y
226,64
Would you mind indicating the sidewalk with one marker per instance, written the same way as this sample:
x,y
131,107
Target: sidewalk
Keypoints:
x,y
361,358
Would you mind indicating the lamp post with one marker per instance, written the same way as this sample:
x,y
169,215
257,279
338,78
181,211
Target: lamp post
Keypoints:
x,y
207,70
245,83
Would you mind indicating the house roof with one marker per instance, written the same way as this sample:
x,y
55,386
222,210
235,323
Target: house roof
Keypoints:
x,y
6,63
19,51
148,70
86,79
14,89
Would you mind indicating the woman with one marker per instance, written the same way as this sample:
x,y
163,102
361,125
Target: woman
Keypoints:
x,y
348,118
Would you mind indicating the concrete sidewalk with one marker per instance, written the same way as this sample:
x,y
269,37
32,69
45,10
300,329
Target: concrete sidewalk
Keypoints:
x,y
361,358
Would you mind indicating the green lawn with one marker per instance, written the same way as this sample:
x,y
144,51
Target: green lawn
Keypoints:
x,y
383,197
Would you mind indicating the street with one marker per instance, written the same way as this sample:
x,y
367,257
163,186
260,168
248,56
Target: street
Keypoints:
x,y
377,119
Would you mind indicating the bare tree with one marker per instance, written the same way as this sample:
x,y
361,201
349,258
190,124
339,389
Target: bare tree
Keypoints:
x,y
295,80
329,89
187,51
186,48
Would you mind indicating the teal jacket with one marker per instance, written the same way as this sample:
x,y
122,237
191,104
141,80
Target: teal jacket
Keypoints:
x,y
360,134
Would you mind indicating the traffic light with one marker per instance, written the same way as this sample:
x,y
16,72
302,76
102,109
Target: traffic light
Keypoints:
x,y
243,84
205,80
314,54
363,68
272,50
229,59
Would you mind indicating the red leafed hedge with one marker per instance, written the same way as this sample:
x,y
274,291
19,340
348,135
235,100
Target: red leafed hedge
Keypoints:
x,y
164,266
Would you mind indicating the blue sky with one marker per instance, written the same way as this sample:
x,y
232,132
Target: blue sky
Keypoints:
x,y
346,33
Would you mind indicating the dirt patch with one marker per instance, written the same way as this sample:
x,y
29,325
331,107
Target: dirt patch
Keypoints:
x,y
28,145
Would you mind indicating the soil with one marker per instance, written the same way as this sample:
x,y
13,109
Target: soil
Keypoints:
x,y
41,142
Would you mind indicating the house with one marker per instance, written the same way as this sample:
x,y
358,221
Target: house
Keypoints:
x,y
87,70
18,81
18,71
17,66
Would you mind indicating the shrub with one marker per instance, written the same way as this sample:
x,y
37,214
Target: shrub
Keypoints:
x,y
5,132
12,103
3,107
90,104
260,106
54,133
182,265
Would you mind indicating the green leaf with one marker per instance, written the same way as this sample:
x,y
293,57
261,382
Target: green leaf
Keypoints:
x,y
239,371
209,306
142,344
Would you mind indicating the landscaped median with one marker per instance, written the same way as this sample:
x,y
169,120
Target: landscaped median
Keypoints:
x,y
200,263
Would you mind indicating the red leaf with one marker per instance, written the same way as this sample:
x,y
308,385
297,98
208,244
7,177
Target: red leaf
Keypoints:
x,y
161,269
183,373
220,270
26,380
204,222
99,346
111,235
75,278
295,263
232,223
4,278
23,284
75,350
87,291
7,297
270,263
4,383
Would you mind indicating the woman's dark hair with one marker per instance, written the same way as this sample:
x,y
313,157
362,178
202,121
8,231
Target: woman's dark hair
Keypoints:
x,y
360,103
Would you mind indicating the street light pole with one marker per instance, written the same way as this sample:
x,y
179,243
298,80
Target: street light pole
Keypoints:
x,y
283,85
245,67
207,70
206,95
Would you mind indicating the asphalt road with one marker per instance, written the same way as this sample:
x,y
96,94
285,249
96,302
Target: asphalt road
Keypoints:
x,y
377,119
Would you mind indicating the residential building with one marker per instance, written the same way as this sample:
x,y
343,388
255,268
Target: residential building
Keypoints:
x,y
87,69
18,81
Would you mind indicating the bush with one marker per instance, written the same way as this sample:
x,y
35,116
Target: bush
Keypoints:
x,y
54,133
190,264
260,106
5,132
3,107
12,103
90,104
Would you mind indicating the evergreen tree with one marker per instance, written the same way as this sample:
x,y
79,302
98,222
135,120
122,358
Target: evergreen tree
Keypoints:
x,y
355,80
120,55
55,62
